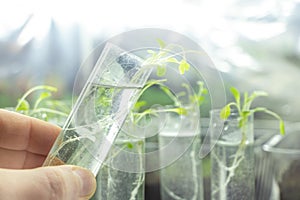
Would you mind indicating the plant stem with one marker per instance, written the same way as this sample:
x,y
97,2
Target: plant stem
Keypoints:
x,y
39,87
141,178
48,110
238,158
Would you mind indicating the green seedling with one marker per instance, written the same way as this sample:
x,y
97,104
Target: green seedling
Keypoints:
x,y
43,105
177,107
244,108
165,56
180,103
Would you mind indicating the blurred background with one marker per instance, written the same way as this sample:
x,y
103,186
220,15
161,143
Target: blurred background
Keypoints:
x,y
255,44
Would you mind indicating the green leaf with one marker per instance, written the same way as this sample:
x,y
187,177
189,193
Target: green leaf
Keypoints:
x,y
225,112
161,70
172,60
23,105
236,95
43,95
183,66
161,43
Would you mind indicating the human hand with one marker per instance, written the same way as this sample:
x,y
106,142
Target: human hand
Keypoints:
x,y
24,145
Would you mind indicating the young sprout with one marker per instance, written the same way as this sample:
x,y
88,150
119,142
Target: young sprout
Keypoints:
x,y
35,107
244,108
198,97
194,98
168,53
165,55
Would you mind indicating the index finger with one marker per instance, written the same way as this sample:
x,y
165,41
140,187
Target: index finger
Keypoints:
x,y
20,132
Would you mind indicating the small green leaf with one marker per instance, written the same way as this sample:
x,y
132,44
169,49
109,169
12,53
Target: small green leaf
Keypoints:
x,y
236,94
161,43
23,105
43,95
225,112
161,70
183,66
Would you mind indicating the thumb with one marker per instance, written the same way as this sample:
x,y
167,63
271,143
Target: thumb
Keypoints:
x,y
64,182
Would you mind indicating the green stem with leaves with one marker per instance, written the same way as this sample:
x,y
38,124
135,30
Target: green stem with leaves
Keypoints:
x,y
244,110
46,92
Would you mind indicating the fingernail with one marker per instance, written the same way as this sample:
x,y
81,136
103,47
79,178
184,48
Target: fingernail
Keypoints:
x,y
88,182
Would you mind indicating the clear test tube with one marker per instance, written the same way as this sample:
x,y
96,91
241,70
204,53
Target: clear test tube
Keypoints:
x,y
100,110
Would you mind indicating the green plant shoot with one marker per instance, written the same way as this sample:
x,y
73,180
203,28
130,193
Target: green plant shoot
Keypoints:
x,y
242,104
194,98
243,107
35,108
165,56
